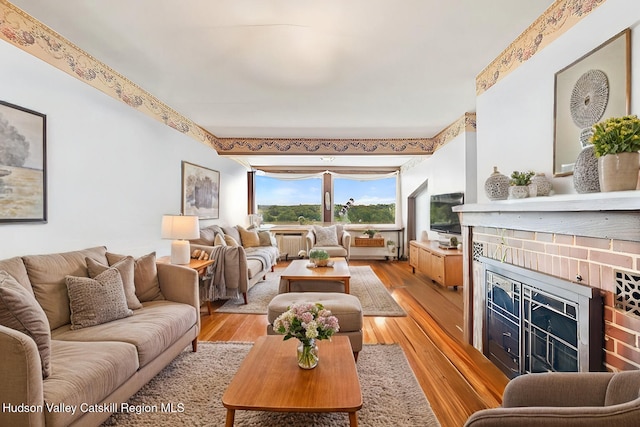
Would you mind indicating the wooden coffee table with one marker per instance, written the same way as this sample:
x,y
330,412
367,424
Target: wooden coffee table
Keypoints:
x,y
298,270
269,379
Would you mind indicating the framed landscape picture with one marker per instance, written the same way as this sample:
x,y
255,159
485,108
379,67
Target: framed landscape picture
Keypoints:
x,y
23,174
200,191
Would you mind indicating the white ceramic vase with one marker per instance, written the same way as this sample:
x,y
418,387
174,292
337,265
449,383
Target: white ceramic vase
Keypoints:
x,y
518,191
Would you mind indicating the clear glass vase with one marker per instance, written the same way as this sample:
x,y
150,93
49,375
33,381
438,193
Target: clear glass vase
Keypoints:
x,y
307,354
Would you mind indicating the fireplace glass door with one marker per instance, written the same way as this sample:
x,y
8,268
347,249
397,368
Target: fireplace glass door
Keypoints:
x,y
503,323
551,331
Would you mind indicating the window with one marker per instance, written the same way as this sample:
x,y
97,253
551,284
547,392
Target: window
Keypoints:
x,y
283,201
365,201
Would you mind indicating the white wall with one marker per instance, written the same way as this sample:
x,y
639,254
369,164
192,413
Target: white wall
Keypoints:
x,y
447,170
516,116
112,171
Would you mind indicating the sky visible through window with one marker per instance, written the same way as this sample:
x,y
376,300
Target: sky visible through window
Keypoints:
x,y
273,191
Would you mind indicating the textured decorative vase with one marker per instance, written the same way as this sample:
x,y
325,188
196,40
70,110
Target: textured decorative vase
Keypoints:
x,y
542,184
308,354
585,172
518,191
497,186
619,172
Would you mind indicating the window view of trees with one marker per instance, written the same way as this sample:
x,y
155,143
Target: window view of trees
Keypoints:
x,y
289,201
300,201
365,202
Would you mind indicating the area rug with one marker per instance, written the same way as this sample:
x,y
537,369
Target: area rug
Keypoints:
x,y
364,284
193,385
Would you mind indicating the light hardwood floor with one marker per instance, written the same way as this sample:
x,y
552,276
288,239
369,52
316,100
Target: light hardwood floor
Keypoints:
x,y
454,376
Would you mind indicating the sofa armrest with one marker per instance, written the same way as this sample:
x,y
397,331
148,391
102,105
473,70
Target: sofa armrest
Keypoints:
x,y
310,237
557,389
21,373
346,242
180,284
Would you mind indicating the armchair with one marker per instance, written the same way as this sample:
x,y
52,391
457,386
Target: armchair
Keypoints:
x,y
591,399
333,239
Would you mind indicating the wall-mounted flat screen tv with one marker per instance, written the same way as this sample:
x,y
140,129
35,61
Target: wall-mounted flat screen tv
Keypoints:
x,y
443,218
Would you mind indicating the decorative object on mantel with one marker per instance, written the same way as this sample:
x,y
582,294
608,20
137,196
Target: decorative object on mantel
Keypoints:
x,y
497,186
585,172
519,188
543,185
616,143
307,322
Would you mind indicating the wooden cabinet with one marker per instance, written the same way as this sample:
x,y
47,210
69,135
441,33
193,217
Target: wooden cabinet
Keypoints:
x,y
443,266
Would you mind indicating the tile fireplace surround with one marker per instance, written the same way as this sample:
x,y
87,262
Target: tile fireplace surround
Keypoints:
x,y
591,239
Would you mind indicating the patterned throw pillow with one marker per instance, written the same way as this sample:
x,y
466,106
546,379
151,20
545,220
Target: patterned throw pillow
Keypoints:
x,y
249,238
19,310
96,301
326,236
126,269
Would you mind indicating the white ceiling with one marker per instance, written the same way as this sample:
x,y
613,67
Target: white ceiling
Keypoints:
x,y
300,68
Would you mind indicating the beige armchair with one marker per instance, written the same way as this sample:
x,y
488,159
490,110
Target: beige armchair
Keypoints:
x,y
593,399
333,239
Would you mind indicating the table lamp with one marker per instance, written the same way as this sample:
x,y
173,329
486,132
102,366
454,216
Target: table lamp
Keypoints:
x,y
180,228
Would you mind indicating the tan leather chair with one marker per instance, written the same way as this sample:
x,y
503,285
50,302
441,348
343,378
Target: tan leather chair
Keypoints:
x,y
593,399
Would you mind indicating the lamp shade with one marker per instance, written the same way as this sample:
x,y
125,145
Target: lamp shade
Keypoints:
x,y
180,227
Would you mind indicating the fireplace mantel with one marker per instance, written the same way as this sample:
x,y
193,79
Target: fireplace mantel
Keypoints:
x,y
613,215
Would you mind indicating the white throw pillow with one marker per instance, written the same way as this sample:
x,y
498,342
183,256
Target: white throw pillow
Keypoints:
x,y
219,240
326,236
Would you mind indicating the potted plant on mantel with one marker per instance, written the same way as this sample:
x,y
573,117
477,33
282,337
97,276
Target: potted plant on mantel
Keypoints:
x,y
616,142
519,184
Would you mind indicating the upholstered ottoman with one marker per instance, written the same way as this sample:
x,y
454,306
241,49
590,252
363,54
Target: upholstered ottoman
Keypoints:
x,y
345,307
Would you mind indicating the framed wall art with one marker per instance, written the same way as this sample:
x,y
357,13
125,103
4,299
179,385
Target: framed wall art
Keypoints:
x,y
593,88
200,191
23,161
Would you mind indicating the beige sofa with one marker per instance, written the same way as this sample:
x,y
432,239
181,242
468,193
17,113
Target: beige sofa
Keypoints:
x,y
80,374
243,258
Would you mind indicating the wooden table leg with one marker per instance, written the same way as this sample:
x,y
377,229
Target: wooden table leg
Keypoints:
x,y
231,415
353,419
346,285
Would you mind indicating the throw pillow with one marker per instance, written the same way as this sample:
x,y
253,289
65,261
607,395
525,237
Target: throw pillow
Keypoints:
x,y
19,310
126,268
249,239
265,238
96,301
219,240
326,236
206,237
230,241
145,276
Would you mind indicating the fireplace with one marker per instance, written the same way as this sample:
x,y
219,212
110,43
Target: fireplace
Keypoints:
x,y
540,323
